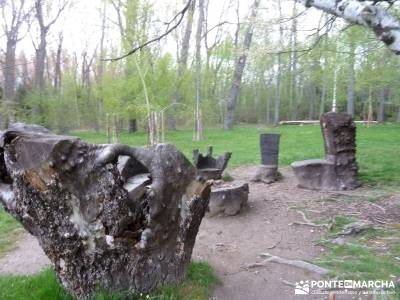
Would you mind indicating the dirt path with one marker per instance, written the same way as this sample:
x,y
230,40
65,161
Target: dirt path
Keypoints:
x,y
27,258
229,243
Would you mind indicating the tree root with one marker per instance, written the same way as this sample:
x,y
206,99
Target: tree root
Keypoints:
x,y
295,263
308,222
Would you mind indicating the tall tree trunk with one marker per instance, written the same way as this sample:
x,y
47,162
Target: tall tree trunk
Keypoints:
x,y
325,71
335,79
100,100
293,77
279,73
41,49
352,80
269,99
26,75
11,27
40,61
381,107
323,93
9,84
198,127
239,68
9,71
398,115
182,65
313,98
57,71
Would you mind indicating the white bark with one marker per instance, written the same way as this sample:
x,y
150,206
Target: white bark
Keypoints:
x,y
279,73
385,26
198,127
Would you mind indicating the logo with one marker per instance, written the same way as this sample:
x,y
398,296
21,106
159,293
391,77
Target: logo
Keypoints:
x,y
302,288
347,287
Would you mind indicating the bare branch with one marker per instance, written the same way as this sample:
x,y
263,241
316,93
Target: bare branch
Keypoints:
x,y
179,17
385,26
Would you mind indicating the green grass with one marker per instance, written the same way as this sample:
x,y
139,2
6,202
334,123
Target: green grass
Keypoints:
x,y
44,285
9,231
339,222
356,262
377,146
365,256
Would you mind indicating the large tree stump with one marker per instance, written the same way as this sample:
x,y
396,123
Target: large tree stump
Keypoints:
x,y
207,166
338,171
267,172
105,222
228,198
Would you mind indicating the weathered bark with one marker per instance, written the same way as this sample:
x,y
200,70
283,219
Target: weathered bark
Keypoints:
x,y
116,227
228,198
239,68
338,171
385,26
182,65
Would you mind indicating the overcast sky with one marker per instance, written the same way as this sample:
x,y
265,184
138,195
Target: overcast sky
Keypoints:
x,y
81,23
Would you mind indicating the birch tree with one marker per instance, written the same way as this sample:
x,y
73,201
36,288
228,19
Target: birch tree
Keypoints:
x,y
365,13
293,64
198,127
351,80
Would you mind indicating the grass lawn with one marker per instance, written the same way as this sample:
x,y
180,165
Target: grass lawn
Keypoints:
x,y
9,230
365,256
378,147
44,285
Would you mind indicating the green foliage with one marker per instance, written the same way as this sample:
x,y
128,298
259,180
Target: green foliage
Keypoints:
x,y
84,99
44,285
227,177
339,222
362,258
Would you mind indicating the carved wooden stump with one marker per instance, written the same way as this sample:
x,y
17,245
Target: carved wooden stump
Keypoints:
x,y
109,217
338,171
228,198
209,167
267,172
